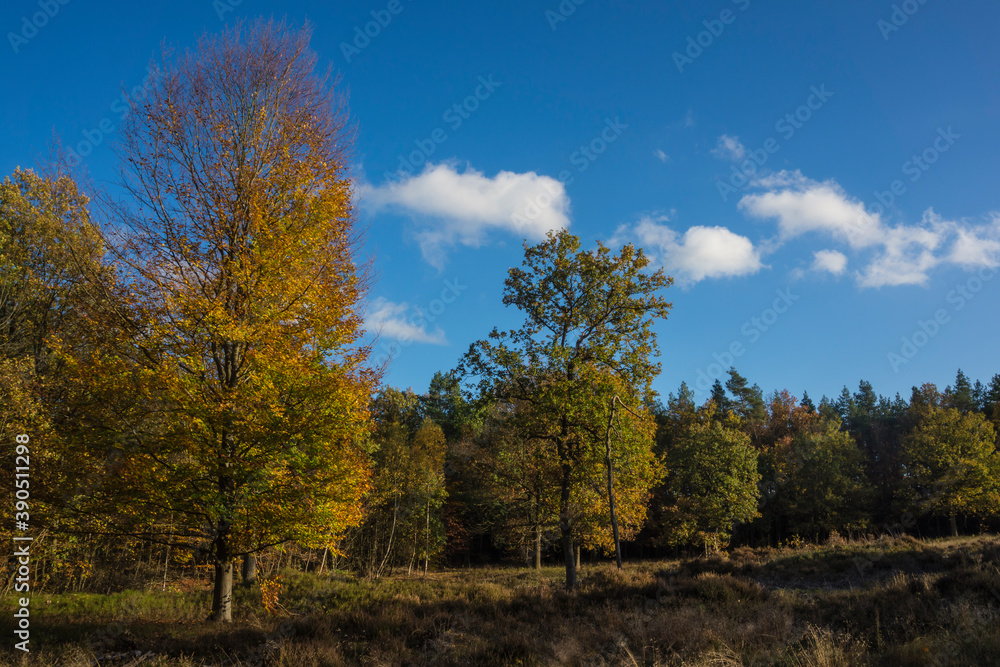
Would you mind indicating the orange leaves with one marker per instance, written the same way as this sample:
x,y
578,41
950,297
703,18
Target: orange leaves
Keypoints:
x,y
270,590
228,356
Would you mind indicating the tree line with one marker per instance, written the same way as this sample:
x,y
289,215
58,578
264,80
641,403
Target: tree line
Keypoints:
x,y
740,469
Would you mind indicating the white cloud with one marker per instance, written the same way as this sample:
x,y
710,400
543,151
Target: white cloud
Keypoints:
x,y
462,208
663,157
729,148
801,206
903,254
698,254
829,261
892,269
402,322
977,247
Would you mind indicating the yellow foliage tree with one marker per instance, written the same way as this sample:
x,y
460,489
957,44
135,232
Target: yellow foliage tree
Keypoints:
x,y
230,378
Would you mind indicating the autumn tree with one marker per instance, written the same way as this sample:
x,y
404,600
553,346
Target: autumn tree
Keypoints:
x,y
50,255
49,251
785,419
402,524
951,465
238,384
587,328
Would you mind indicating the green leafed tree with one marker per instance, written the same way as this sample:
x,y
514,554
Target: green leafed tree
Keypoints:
x,y
820,482
587,335
444,404
711,484
748,405
961,395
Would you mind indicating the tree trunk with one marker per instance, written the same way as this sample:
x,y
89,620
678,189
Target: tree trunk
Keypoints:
x,y
578,557
567,544
538,547
952,519
566,529
248,572
166,566
222,596
611,487
388,549
427,535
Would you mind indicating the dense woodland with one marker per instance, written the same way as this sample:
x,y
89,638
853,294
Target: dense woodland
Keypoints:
x,y
742,469
188,359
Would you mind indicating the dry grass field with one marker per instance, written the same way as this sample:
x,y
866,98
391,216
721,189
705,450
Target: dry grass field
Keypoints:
x,y
885,602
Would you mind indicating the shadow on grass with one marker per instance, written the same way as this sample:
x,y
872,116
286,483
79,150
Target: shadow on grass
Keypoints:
x,y
700,611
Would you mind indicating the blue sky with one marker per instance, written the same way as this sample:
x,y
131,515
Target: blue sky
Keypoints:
x,y
820,179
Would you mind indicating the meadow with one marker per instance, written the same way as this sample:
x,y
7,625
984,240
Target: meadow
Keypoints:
x,y
891,601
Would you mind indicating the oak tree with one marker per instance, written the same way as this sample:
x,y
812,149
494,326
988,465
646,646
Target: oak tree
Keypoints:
x,y
588,327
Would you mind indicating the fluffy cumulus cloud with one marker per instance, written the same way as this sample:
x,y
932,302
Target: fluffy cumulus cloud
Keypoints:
x,y
463,207
899,254
697,254
729,148
801,206
402,322
829,261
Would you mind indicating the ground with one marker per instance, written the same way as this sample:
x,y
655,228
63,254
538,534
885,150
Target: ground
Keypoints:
x,y
885,602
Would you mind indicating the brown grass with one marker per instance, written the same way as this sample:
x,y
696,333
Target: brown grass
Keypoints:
x,y
887,602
